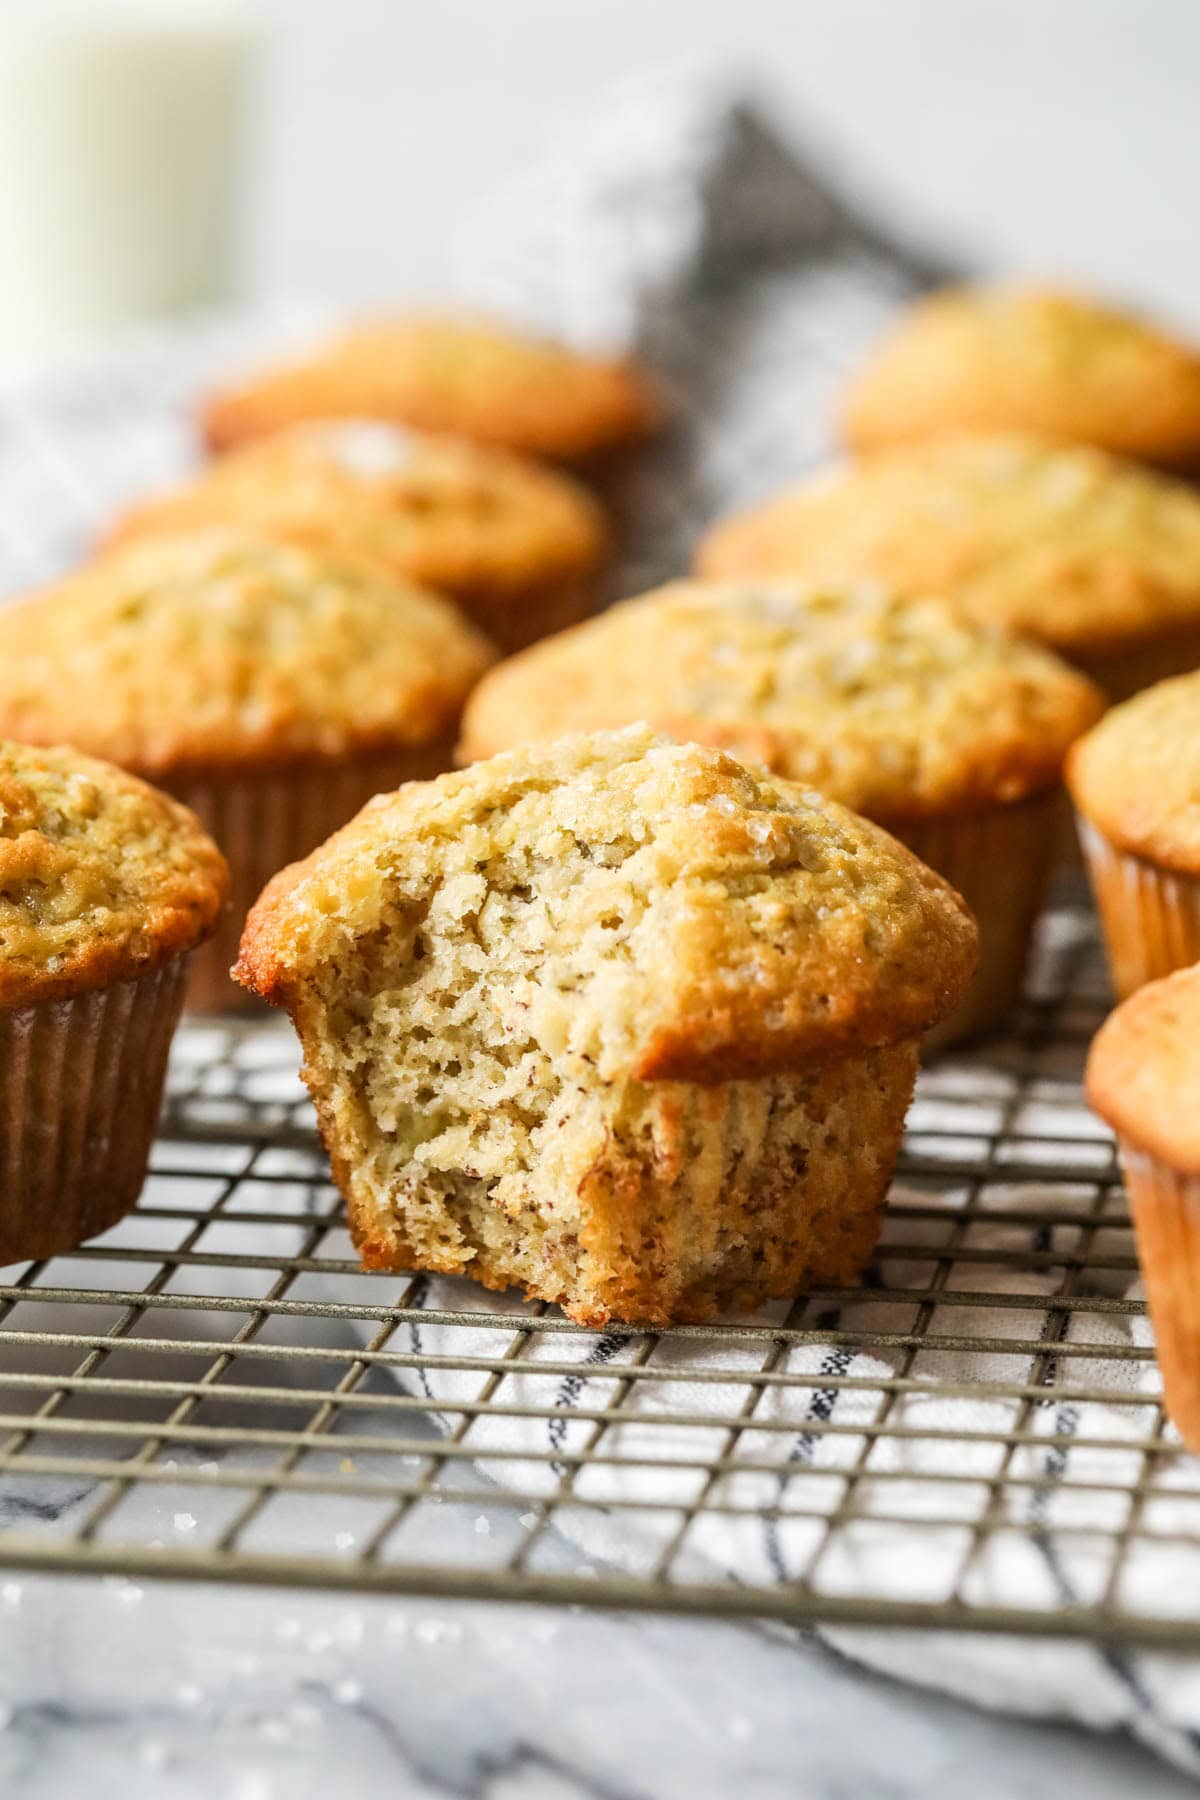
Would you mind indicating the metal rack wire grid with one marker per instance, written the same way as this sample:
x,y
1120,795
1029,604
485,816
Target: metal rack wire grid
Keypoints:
x,y
213,1389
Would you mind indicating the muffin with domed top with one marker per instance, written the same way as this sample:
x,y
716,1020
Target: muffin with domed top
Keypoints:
x,y
107,887
1143,1078
270,688
617,1020
1135,781
1030,359
518,546
1093,557
471,378
947,734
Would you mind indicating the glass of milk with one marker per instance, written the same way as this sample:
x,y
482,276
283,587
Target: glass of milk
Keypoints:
x,y
121,129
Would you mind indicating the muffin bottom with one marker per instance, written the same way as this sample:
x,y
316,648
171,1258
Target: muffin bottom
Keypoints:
x,y
518,620
80,1086
999,859
1166,1215
263,822
1150,916
1125,672
677,1201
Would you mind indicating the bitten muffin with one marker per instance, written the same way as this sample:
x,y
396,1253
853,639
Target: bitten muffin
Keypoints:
x,y
1093,557
518,546
1029,359
615,1020
1135,781
271,689
467,378
106,887
1143,1078
951,736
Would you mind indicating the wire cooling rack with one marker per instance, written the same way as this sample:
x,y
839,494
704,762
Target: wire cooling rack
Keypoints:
x,y
971,1439
214,1390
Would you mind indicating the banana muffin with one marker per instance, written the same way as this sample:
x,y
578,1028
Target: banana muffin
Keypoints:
x,y
615,1020
949,735
1095,558
271,689
1143,1079
517,545
1135,781
106,887
468,378
1029,359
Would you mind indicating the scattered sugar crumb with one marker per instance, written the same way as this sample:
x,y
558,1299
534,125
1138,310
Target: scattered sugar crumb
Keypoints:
x,y
438,1631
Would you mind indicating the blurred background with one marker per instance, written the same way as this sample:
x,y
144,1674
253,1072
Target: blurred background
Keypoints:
x,y
1060,134
332,148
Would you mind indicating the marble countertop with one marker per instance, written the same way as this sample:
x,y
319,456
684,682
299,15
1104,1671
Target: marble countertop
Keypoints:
x,y
113,1688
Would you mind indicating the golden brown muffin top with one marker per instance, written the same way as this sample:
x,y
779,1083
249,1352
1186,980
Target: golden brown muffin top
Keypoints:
x,y
1029,359
1069,546
469,378
691,919
899,708
435,510
221,649
101,877
1137,775
1143,1073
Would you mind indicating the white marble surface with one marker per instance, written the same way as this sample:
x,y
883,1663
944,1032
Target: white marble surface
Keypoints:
x,y
114,1689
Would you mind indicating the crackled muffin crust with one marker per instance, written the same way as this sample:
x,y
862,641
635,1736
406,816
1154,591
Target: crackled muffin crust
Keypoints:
x,y
900,708
101,877
468,378
1137,775
707,921
1031,360
613,1018
225,650
1069,546
516,545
